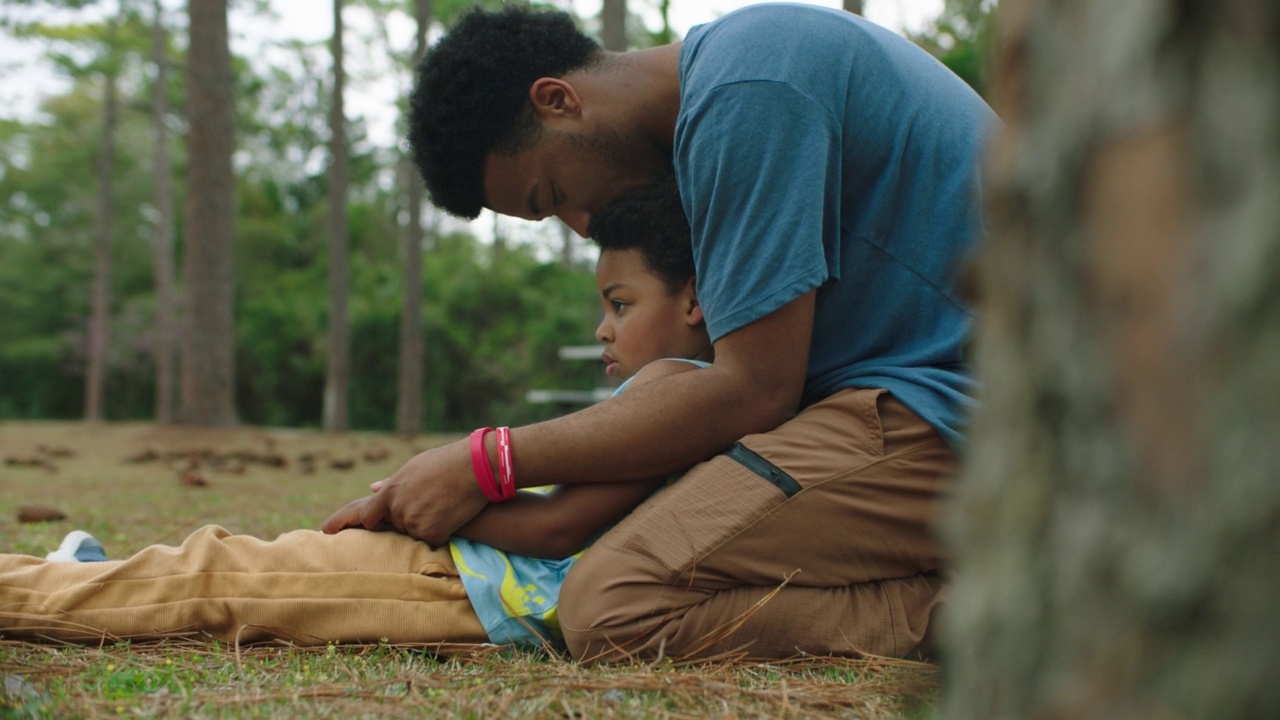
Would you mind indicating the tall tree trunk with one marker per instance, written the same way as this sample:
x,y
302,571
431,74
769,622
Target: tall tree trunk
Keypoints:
x,y
100,311
566,244
1118,519
613,25
409,397
208,336
853,6
338,367
165,298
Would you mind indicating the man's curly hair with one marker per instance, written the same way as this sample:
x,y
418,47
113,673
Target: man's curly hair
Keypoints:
x,y
471,95
650,220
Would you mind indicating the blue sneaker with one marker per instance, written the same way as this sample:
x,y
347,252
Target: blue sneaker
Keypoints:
x,y
78,546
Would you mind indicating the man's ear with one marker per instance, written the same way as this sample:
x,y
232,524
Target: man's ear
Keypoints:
x,y
553,97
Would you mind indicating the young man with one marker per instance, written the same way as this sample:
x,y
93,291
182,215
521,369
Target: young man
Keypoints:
x,y
829,170
499,579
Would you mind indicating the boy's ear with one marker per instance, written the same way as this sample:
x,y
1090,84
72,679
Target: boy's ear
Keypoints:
x,y
693,310
553,97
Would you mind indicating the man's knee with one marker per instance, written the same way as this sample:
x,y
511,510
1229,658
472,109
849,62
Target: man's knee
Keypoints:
x,y
603,605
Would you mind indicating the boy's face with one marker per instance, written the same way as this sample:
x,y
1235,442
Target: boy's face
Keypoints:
x,y
643,320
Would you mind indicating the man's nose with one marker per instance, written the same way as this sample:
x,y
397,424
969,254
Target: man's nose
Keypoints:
x,y
577,220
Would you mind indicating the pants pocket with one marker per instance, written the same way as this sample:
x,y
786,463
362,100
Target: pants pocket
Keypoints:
x,y
757,464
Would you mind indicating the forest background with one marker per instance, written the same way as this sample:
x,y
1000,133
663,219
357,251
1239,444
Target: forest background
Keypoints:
x,y
326,223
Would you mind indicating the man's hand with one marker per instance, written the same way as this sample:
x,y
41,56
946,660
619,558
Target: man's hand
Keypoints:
x,y
434,494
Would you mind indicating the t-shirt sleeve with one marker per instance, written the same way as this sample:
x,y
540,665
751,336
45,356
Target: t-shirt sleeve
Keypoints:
x,y
758,165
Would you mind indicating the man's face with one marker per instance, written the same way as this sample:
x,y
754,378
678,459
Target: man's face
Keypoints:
x,y
569,175
643,320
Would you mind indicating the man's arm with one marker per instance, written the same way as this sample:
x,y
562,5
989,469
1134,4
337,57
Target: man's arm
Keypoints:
x,y
650,431
560,523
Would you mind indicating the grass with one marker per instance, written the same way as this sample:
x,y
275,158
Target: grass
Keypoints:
x,y
123,483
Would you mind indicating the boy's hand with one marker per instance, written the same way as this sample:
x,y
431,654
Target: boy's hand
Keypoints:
x,y
434,494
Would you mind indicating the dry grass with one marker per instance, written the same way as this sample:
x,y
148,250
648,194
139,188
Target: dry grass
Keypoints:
x,y
83,471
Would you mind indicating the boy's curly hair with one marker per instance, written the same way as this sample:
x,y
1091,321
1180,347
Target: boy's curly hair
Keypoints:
x,y
471,95
651,221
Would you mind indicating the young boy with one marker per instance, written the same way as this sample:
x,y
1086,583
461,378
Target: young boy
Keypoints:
x,y
498,580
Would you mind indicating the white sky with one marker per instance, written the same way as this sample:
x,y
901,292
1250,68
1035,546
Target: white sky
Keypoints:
x,y
24,81
371,89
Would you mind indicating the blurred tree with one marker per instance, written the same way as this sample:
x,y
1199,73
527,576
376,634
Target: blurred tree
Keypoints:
x,y
613,25
208,337
100,312
166,298
109,46
1117,520
853,6
962,37
409,367
338,366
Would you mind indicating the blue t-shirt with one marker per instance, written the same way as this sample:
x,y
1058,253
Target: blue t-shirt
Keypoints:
x,y
817,150
516,596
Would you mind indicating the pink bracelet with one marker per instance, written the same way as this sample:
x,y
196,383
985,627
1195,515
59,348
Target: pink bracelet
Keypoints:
x,y
481,467
506,474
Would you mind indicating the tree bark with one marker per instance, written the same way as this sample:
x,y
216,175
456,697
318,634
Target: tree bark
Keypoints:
x,y
613,25
100,307
409,397
208,335
165,297
1118,516
338,367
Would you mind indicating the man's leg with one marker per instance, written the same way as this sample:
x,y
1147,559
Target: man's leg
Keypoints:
x,y
816,537
305,586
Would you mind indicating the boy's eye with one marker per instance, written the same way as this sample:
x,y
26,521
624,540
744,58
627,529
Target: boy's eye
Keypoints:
x,y
617,305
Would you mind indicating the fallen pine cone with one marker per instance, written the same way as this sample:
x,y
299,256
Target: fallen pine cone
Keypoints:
x,y
39,513
145,456
32,462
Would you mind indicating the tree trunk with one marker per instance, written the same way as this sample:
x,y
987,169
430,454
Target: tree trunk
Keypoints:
x,y
100,310
208,336
613,25
853,6
165,298
566,244
338,367
1118,519
409,397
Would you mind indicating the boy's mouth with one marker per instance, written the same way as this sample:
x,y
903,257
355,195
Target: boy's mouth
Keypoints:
x,y
610,365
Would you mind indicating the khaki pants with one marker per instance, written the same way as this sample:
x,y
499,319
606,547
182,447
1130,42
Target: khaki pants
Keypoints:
x,y
835,554
305,586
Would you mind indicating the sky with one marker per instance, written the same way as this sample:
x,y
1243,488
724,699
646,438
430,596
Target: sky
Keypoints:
x,y
371,91
23,81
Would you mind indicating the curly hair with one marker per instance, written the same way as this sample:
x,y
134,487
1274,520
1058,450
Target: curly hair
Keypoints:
x,y
471,95
651,221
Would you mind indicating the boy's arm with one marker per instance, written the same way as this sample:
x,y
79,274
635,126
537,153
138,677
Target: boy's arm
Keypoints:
x,y
556,524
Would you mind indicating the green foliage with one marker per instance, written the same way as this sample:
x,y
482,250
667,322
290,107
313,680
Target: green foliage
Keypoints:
x,y
492,323
962,37
492,333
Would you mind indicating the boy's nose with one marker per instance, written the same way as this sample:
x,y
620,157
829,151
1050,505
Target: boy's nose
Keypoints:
x,y
601,334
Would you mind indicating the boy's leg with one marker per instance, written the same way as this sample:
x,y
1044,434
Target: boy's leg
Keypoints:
x,y
833,555
305,586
